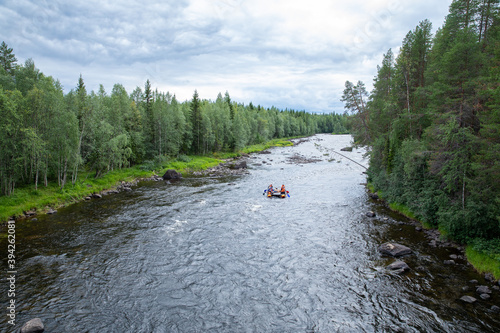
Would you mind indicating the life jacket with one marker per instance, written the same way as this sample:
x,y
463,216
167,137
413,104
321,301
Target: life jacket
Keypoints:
x,y
282,188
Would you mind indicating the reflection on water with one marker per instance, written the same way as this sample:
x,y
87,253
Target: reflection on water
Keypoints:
x,y
201,255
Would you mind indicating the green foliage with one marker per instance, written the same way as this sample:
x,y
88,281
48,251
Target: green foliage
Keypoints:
x,y
484,255
433,125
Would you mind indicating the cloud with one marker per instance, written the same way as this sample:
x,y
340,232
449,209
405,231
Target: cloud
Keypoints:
x,y
290,54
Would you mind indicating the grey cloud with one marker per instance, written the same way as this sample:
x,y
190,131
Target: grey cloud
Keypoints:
x,y
232,44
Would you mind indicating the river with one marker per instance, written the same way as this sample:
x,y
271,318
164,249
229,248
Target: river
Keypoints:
x,y
216,255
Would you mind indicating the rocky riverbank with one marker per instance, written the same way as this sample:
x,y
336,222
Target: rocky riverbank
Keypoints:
x,y
471,290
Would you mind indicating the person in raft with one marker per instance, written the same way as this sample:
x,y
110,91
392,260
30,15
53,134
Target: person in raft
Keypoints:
x,y
270,189
282,189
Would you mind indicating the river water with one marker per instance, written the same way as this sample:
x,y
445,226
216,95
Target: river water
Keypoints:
x,y
216,255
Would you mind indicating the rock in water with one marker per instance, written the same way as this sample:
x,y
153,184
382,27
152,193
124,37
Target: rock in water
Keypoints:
x,y
394,249
468,299
33,326
370,214
399,267
483,290
171,174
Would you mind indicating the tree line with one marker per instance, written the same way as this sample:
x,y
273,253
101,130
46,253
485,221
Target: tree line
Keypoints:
x,y
433,122
49,136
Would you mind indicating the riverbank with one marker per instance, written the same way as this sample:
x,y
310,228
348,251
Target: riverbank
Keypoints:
x,y
484,256
28,202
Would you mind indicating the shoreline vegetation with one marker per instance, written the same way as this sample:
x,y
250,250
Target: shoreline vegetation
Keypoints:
x,y
432,124
484,257
27,201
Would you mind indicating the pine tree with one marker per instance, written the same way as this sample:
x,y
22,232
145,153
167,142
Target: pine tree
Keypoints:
x,y
7,58
196,121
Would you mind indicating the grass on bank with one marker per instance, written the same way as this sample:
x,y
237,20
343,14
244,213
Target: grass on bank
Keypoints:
x,y
26,198
484,262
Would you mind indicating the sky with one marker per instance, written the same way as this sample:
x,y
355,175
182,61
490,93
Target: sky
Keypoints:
x,y
287,54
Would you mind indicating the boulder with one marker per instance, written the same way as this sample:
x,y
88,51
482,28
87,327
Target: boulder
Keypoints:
x,y
468,299
370,214
489,277
171,174
485,296
398,267
52,211
33,326
373,196
346,149
237,165
495,309
483,290
449,262
394,249
96,196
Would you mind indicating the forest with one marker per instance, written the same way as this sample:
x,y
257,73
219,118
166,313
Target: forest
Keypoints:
x,y
432,122
47,135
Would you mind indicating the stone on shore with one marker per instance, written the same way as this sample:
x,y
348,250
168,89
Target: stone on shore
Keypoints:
x,y
237,165
171,174
483,290
394,249
33,326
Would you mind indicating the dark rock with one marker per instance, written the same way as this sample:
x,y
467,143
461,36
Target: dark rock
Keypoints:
x,y
489,277
237,165
373,195
96,196
171,174
127,189
88,198
473,281
466,288
346,149
399,267
34,219
33,326
265,152
394,249
370,214
449,262
495,309
483,290
418,228
485,296
52,211
468,299
453,256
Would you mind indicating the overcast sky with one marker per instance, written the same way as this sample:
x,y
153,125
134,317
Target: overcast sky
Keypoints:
x,y
289,54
